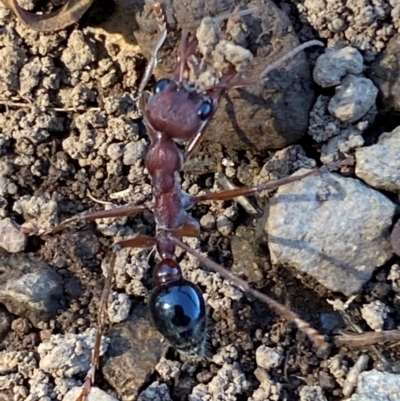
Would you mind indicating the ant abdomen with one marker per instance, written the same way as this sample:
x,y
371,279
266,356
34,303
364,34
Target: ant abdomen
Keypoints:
x,y
179,314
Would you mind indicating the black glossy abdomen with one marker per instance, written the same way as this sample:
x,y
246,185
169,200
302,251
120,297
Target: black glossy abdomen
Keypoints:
x,y
179,314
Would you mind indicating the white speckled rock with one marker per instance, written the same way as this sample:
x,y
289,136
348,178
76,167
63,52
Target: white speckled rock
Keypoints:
x,y
95,395
377,386
353,98
333,228
379,165
332,66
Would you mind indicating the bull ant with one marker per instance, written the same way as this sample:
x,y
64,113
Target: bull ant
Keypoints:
x,y
177,110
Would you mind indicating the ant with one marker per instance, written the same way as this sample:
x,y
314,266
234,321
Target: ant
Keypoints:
x,y
178,111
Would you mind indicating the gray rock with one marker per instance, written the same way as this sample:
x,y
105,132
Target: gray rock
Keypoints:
x,y
379,165
155,392
332,66
133,152
353,98
29,287
386,74
377,386
95,395
348,139
11,238
333,228
312,393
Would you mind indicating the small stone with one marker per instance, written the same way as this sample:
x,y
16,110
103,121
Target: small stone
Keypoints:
x,y
95,394
119,307
29,287
332,66
268,358
224,225
133,152
11,238
155,392
207,221
337,25
168,370
312,393
394,277
379,165
354,97
114,151
375,314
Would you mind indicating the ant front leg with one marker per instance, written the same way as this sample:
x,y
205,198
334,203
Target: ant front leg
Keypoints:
x,y
152,64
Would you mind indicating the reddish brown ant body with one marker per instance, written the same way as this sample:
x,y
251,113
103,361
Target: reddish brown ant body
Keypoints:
x,y
178,111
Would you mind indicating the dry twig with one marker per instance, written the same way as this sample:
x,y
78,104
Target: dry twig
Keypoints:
x,y
71,12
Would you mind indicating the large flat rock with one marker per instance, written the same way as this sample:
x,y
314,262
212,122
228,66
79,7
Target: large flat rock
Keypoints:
x,y
333,228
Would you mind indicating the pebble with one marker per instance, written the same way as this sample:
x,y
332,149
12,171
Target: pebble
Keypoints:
x,y
133,152
95,395
29,287
379,165
207,221
332,66
155,392
226,385
353,98
268,358
312,393
119,307
375,313
224,225
11,238
333,228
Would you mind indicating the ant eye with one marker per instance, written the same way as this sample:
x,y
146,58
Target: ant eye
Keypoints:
x,y
161,85
204,110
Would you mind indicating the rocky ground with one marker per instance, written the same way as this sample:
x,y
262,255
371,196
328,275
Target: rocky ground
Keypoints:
x,y
71,140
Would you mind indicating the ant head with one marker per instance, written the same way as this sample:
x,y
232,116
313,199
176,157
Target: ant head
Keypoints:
x,y
178,110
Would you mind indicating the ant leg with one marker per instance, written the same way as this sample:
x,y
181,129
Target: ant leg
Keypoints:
x,y
240,82
138,242
277,307
89,216
151,65
246,191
